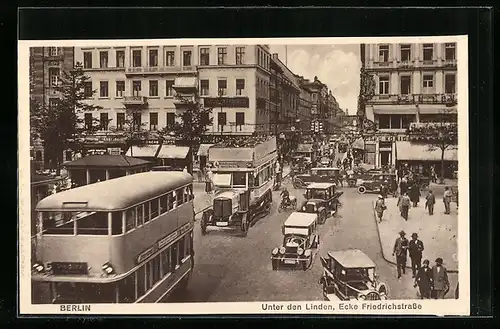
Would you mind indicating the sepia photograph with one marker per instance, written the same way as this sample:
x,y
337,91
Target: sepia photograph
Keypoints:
x,y
254,176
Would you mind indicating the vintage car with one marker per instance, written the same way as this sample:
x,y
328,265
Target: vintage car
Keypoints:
x,y
374,183
321,199
350,275
299,241
317,175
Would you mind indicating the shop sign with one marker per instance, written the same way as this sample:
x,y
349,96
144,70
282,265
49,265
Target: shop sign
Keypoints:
x,y
229,102
114,151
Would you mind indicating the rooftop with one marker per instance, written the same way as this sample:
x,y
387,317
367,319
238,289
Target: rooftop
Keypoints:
x,y
300,219
352,258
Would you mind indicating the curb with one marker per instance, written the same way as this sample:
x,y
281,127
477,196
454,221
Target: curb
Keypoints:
x,y
382,247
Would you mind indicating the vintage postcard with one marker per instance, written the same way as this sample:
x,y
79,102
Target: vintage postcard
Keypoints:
x,y
244,176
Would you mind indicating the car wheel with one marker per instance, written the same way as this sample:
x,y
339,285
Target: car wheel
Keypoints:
x,y
307,264
361,190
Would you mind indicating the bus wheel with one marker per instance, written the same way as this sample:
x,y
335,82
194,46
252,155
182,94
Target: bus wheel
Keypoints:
x,y
307,263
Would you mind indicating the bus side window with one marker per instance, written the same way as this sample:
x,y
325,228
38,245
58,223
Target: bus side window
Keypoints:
x,y
141,281
190,192
154,208
146,211
130,219
180,196
182,249
173,256
139,210
126,289
165,262
170,201
116,223
163,204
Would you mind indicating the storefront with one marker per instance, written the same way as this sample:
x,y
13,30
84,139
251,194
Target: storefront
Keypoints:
x,y
176,157
421,157
145,152
98,168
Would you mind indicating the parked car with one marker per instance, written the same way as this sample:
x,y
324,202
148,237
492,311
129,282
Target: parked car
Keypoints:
x,y
317,175
350,275
374,183
322,199
299,241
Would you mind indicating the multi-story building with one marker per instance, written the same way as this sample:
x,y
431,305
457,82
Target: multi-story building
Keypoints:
x,y
319,104
333,110
233,80
414,83
289,93
46,65
305,104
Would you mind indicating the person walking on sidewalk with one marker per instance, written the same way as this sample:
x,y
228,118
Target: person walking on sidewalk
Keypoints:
x,y
380,207
208,181
415,194
447,196
403,186
415,248
440,280
400,251
424,280
430,202
404,203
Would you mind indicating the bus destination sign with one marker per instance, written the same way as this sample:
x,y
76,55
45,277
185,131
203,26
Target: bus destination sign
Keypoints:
x,y
59,268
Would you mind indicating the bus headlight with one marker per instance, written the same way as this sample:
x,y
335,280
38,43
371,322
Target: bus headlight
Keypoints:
x,y
107,268
38,267
275,251
300,251
282,250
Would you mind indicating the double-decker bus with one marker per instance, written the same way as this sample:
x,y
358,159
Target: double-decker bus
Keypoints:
x,y
124,240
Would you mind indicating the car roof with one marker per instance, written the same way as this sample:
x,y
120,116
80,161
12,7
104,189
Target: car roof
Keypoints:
x,y
300,219
321,186
351,258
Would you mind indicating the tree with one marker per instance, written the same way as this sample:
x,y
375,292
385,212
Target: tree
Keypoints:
x,y
133,131
438,135
62,124
191,124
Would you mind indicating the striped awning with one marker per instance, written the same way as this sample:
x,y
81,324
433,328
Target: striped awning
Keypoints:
x,y
203,150
408,151
173,152
146,151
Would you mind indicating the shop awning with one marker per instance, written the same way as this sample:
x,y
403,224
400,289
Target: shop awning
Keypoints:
x,y
146,151
359,144
408,151
401,109
304,148
185,82
203,150
106,161
173,152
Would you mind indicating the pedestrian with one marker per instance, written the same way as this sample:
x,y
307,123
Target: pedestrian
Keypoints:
x,y
400,251
394,187
430,202
424,280
380,207
403,186
208,181
441,285
404,205
415,248
415,194
433,174
447,200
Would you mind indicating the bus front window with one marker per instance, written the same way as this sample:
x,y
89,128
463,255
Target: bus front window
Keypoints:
x,y
239,179
61,223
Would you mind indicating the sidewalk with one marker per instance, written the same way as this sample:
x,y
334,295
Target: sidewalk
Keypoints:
x,y
438,232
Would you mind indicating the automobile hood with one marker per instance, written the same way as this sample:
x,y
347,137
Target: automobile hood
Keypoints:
x,y
292,244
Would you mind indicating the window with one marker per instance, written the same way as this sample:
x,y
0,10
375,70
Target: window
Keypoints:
x,y
222,87
88,121
204,56
221,118
120,120
240,55
103,89
87,89
170,119
449,51
428,51
405,53
103,121
53,51
136,58
141,281
182,249
186,58
169,88
126,288
405,85
179,194
120,58
87,60
103,59
38,156
153,88
54,76
153,121
170,58
170,201
383,85
204,87
240,86
139,218
428,81
383,53
130,219
116,223
165,261
155,270
384,122
137,122
163,204
222,56
136,88
449,84
395,122
120,88
154,208
240,118
153,57
146,212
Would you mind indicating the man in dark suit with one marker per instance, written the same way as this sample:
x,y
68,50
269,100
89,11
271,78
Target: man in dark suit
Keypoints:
x,y
400,251
440,279
431,201
424,280
415,248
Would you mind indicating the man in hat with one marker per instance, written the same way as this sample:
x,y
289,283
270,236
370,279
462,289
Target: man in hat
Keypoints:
x,y
380,207
430,202
404,203
424,280
400,251
415,248
440,279
447,197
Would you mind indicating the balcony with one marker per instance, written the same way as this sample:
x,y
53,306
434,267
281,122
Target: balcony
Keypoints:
x,y
449,62
135,100
405,64
144,70
447,99
183,101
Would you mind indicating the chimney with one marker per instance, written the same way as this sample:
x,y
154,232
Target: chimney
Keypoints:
x,y
275,55
315,78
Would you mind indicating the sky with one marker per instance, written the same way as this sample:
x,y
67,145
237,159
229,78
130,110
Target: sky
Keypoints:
x,y
337,66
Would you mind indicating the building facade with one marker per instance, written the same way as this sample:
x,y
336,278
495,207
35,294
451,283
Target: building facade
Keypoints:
x,y
414,84
46,65
288,95
147,81
305,104
319,104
